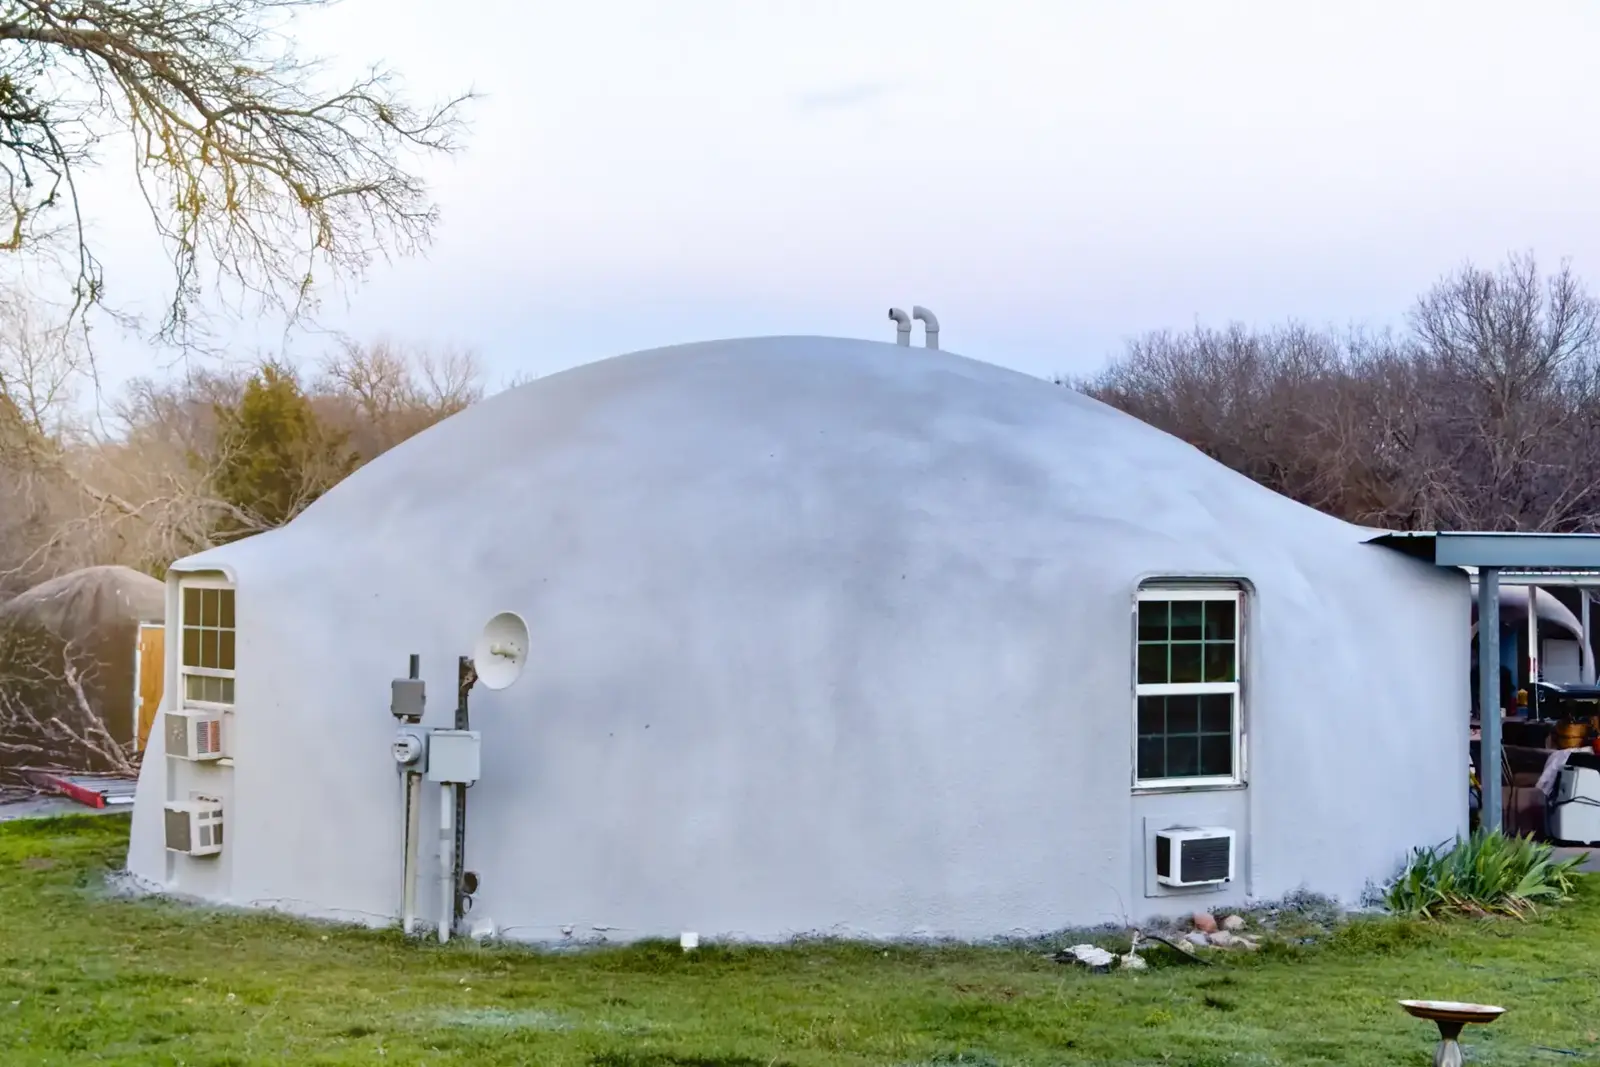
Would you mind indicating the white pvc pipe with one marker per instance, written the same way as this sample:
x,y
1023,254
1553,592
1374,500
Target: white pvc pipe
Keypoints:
x,y
1586,671
405,851
930,325
447,903
413,802
902,326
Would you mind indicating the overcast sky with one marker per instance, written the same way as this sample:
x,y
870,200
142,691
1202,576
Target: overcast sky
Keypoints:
x,y
1050,177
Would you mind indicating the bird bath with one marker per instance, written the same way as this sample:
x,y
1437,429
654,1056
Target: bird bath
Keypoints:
x,y
1451,1017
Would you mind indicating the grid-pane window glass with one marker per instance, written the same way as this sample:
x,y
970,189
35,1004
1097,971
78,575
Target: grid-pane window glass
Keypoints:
x,y
206,688
208,644
1188,641
1187,679
1186,736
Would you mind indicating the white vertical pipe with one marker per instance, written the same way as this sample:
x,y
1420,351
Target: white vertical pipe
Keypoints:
x,y
1586,662
413,790
930,325
447,903
1533,644
405,850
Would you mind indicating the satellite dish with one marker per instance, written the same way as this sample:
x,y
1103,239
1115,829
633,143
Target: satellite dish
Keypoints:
x,y
502,650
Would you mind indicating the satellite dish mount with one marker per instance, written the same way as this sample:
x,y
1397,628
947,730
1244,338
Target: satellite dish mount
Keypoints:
x,y
501,651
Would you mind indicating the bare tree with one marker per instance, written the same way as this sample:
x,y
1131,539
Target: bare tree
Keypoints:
x,y
1269,405
47,718
76,497
40,367
1514,356
1485,415
144,490
248,168
382,393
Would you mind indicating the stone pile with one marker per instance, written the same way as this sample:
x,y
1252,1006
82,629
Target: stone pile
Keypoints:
x,y
1204,934
1208,933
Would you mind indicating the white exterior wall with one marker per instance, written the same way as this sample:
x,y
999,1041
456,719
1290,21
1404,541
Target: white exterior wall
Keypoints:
x,y
827,636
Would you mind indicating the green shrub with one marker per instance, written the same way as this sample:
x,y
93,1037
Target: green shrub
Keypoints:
x,y
1484,874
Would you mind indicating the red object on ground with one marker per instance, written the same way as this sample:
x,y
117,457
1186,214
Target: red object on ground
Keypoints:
x,y
92,797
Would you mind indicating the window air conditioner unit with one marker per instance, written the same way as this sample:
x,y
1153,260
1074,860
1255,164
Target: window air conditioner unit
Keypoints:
x,y
1188,856
194,735
194,827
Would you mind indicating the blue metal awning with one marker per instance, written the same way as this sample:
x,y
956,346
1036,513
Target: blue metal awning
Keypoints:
x,y
1511,551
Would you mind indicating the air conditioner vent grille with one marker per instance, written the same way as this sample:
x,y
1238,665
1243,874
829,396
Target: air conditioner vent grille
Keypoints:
x,y
194,827
194,734
1205,859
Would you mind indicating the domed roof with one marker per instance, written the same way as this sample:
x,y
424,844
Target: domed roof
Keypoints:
x,y
75,604
806,437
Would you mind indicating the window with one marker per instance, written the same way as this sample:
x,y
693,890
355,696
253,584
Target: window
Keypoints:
x,y
206,666
1187,686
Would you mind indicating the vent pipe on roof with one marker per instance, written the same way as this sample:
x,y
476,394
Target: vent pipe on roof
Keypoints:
x,y
902,326
930,325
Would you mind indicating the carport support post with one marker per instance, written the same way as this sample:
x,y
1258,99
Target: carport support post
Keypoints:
x,y
1489,694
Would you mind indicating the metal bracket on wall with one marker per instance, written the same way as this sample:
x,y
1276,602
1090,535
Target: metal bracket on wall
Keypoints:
x,y
467,675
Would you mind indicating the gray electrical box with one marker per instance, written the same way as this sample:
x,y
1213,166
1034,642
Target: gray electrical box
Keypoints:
x,y
406,698
453,756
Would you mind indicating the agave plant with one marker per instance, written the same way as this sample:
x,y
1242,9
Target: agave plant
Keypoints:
x,y
1484,874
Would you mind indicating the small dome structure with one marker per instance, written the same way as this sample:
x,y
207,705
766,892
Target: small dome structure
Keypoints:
x,y
825,635
87,619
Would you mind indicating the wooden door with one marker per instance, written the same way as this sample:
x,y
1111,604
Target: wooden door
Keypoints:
x,y
151,678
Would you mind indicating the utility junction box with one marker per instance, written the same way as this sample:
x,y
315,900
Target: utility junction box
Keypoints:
x,y
453,756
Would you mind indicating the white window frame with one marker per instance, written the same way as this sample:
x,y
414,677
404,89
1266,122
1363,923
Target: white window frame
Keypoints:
x,y
1178,591
184,671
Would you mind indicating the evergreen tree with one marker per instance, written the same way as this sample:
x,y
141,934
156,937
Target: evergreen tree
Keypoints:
x,y
274,457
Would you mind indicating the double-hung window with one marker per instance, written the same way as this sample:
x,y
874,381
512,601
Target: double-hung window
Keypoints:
x,y
1187,693
205,624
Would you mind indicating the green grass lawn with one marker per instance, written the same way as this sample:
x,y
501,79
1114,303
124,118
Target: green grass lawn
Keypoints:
x,y
87,978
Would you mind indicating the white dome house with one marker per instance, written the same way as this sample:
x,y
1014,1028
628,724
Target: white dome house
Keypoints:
x,y
822,636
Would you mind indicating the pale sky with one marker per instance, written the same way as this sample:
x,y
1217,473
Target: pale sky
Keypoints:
x,y
1050,176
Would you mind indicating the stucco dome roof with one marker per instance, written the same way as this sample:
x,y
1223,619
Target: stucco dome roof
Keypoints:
x,y
810,440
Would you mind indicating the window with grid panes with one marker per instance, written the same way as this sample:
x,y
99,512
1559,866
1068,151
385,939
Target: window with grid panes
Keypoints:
x,y
1187,686
207,629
